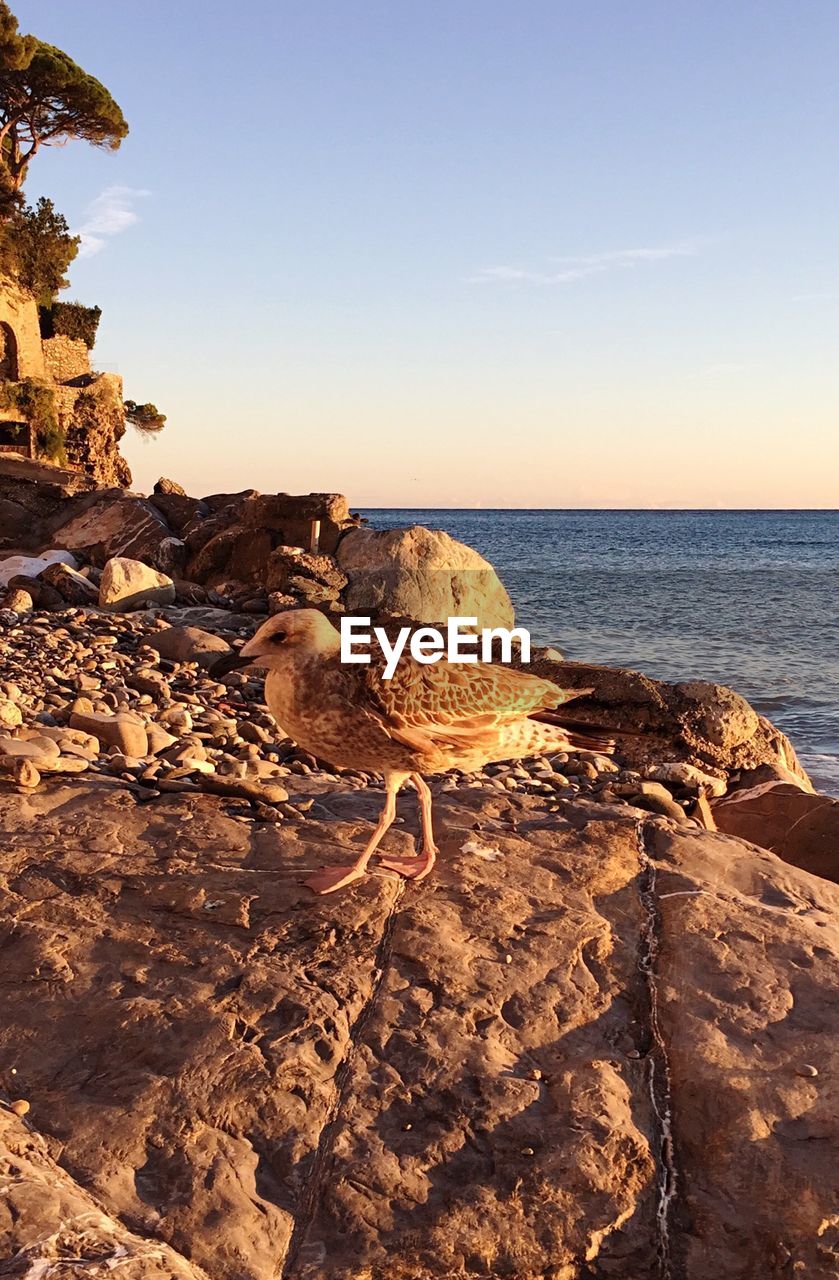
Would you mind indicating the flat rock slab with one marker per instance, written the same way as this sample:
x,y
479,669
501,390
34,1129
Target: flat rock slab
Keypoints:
x,y
591,1045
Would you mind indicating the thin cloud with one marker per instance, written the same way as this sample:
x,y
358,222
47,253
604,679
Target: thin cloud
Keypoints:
x,y
580,267
109,214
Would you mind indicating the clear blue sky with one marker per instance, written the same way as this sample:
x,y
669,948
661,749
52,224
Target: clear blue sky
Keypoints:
x,y
467,252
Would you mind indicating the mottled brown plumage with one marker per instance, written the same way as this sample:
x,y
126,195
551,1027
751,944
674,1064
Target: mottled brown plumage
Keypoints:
x,y
426,719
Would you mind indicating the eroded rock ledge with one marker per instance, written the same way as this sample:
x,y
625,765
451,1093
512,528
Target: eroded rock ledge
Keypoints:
x,y
473,1077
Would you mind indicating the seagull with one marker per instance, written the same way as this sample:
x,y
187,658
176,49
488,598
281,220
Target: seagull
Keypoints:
x,y
426,719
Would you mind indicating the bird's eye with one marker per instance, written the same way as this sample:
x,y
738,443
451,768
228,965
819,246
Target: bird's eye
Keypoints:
x,y
277,637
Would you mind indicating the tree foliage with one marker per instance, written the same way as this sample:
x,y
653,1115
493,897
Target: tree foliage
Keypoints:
x,y
145,418
45,100
36,249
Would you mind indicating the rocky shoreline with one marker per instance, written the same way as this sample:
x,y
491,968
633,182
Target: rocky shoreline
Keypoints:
x,y
598,1042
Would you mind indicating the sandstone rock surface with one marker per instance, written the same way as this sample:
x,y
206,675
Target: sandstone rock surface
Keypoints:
x,y
594,1044
111,522
799,826
422,574
129,584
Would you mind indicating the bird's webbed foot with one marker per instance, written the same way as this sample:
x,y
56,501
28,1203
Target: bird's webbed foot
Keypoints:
x,y
330,879
412,868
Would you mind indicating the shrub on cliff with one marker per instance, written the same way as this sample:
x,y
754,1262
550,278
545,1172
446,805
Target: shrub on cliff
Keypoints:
x,y
71,319
35,401
145,418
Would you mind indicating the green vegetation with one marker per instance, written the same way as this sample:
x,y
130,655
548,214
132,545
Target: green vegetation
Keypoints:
x,y
35,401
71,319
46,99
36,248
145,418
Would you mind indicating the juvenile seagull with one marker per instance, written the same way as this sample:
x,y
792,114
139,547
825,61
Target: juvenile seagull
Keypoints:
x,y
425,719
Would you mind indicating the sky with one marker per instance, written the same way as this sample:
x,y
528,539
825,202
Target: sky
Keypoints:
x,y
457,253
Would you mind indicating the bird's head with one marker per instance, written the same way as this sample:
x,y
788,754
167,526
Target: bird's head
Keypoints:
x,y
291,636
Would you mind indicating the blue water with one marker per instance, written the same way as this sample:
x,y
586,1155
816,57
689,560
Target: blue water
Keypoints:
x,y
745,598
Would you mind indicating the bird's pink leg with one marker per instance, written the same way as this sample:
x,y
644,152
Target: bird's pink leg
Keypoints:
x,y
418,868
332,878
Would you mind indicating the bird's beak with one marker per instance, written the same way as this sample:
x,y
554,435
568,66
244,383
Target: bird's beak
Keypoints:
x,y
230,662
251,652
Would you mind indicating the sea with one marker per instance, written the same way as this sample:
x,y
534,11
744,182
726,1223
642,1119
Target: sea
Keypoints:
x,y
749,599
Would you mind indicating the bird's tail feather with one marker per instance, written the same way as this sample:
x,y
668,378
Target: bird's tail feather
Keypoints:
x,y
589,742
581,735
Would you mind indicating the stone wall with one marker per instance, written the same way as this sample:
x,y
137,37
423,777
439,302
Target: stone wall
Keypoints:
x,y
66,358
23,355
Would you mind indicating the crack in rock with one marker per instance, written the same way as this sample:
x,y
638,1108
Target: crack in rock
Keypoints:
x,y
310,1199
659,1074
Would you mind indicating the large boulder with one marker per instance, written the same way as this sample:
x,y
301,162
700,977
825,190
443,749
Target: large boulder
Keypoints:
x,y
72,586
130,584
291,517
786,817
422,574
112,523
16,524
592,1045
236,553
701,724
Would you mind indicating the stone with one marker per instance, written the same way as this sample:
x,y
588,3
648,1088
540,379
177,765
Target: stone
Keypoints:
x,y
179,511
111,523
16,524
43,595
287,565
235,553
425,1082
124,731
53,1225
289,517
166,486
129,584
422,574
18,600
72,586
32,566
687,775
190,644
657,799
655,722
799,826
159,739
17,748
10,714
723,716
170,557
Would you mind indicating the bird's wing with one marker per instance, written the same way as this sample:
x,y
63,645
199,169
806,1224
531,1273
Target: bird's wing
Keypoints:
x,y
447,703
